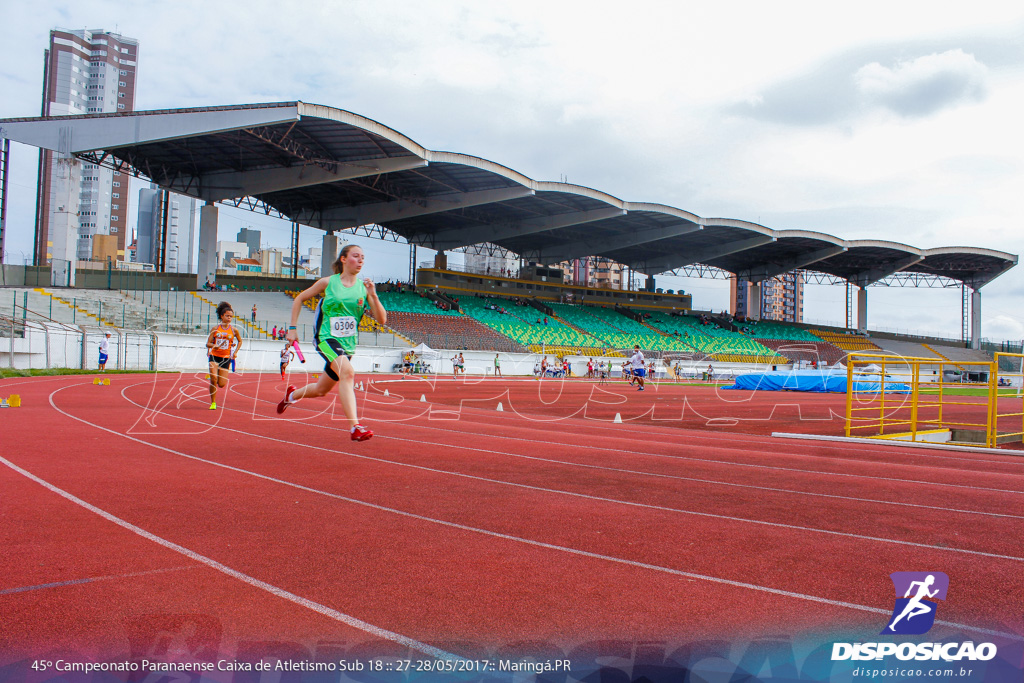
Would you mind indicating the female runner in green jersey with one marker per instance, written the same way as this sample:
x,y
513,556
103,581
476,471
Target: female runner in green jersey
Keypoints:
x,y
337,332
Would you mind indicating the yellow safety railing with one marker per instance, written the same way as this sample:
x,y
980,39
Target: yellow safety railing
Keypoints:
x,y
1015,385
906,397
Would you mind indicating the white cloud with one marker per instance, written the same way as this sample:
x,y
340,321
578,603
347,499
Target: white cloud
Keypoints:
x,y
924,85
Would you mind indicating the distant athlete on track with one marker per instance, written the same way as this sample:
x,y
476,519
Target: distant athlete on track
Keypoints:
x,y
337,333
637,361
286,356
222,346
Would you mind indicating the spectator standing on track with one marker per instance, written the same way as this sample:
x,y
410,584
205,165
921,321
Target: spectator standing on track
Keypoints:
x,y
590,368
104,351
543,366
637,361
337,333
711,373
222,345
497,366
254,312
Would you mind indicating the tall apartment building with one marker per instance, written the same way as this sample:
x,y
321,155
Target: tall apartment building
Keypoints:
x,y
594,272
85,72
156,207
252,238
782,297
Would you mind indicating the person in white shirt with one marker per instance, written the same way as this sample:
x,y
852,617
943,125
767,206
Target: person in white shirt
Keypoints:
x,y
104,352
637,361
286,356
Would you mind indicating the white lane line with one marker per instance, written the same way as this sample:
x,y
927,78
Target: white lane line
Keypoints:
x,y
574,494
692,435
461,527
705,460
656,455
93,579
245,578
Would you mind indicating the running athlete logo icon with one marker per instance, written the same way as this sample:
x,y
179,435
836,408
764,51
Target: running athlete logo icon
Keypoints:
x,y
914,613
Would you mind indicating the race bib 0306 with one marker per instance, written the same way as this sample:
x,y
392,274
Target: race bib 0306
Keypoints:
x,y
343,326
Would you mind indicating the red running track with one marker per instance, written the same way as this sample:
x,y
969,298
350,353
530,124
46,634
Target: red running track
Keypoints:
x,y
135,519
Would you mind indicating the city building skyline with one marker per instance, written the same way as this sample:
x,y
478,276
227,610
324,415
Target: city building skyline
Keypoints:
x,y
155,207
781,298
85,72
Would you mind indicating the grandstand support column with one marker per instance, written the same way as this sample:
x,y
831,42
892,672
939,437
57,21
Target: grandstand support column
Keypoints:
x,y
64,221
862,309
206,268
412,264
976,319
328,254
5,172
754,301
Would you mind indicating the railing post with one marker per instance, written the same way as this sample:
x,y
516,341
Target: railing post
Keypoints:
x,y
915,378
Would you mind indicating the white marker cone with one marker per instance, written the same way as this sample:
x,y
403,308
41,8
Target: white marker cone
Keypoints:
x,y
423,398
386,393
618,419
500,409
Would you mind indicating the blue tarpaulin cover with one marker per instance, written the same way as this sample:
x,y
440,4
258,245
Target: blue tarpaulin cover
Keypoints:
x,y
823,380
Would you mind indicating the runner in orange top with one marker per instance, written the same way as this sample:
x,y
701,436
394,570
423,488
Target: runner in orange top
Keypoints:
x,y
222,344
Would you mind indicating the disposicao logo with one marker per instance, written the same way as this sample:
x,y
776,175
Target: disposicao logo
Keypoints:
x,y
914,612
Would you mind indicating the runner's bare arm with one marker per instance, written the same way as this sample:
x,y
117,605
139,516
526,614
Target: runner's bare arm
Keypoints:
x,y
376,307
314,290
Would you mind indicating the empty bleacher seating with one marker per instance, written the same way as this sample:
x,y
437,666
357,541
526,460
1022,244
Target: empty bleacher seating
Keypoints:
x,y
521,324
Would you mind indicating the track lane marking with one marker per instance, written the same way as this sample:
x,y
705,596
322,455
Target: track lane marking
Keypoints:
x,y
454,525
574,494
224,569
93,579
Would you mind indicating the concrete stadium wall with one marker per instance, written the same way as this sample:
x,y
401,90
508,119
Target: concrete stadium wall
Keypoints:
x,y
65,346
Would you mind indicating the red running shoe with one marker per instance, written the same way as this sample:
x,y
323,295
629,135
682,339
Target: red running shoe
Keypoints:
x,y
284,402
361,433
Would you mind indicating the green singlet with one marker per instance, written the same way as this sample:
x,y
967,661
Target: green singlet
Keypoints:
x,y
338,316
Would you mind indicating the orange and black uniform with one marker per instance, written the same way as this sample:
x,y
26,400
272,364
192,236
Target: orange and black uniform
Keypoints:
x,y
223,339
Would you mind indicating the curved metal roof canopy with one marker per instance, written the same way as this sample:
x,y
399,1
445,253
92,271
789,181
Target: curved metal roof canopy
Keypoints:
x,y
335,170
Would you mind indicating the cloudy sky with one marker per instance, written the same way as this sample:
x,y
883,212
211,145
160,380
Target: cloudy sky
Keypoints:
x,y
886,120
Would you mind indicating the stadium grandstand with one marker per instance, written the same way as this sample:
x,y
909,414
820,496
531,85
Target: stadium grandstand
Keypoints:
x,y
337,171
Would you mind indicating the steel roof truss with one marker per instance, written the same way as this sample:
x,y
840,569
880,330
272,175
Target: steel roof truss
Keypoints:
x,y
606,243
867,277
495,232
384,212
228,185
774,269
671,261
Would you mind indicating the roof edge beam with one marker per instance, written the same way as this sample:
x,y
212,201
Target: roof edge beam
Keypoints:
x,y
604,245
869,277
770,270
86,133
214,187
462,237
671,262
